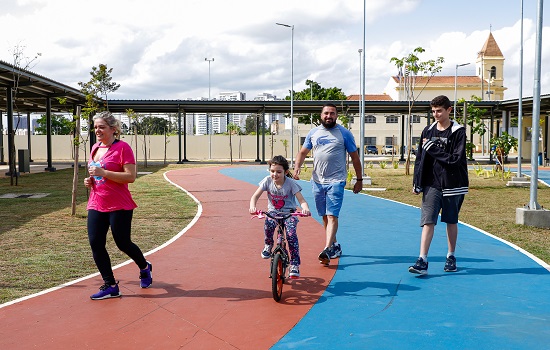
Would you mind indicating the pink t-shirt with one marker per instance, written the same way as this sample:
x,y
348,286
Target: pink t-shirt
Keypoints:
x,y
107,195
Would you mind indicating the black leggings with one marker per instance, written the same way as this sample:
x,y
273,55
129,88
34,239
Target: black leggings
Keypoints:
x,y
121,227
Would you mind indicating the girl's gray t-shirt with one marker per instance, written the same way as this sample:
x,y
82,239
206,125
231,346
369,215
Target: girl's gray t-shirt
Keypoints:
x,y
281,199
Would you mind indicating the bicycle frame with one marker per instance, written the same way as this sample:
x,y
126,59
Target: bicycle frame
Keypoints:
x,y
279,256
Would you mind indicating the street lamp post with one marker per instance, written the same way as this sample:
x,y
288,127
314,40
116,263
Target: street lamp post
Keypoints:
x,y
209,129
361,113
456,73
291,92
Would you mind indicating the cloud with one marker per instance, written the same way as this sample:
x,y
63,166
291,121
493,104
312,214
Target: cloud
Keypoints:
x,y
157,50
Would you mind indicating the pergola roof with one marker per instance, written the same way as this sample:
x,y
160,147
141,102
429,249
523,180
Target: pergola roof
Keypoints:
x,y
33,90
280,106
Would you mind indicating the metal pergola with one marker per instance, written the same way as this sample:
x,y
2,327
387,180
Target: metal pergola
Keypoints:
x,y
27,92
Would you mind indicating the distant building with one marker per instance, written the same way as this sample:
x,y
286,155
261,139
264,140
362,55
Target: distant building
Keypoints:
x,y
488,84
273,120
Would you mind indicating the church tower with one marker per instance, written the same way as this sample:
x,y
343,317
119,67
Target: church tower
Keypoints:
x,y
490,69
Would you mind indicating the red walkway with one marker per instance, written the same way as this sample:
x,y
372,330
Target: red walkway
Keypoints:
x,y
210,290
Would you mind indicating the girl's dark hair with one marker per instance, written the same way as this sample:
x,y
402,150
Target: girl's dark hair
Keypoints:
x,y
280,160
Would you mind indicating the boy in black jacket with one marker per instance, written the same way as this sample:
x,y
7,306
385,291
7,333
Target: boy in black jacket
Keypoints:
x,y
441,174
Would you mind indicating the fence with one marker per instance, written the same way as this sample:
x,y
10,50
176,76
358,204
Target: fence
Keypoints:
x,y
204,147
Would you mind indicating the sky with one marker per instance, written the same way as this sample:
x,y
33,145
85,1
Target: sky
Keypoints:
x,y
158,49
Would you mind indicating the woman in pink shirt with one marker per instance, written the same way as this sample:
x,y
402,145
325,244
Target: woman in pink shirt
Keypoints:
x,y
112,167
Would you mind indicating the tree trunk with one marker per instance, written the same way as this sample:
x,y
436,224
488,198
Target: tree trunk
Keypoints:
x,y
76,146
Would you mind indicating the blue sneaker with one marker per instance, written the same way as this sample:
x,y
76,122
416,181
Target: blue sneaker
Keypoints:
x,y
106,291
335,250
146,276
294,271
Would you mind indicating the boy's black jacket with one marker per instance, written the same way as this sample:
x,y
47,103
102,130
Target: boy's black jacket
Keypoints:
x,y
454,177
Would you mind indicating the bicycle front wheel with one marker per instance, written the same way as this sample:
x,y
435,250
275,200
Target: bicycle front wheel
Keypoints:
x,y
277,276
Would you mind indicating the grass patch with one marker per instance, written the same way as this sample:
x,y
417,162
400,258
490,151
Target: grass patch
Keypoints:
x,y
490,205
44,246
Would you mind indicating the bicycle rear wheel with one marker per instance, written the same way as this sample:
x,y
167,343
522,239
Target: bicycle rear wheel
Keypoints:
x,y
277,276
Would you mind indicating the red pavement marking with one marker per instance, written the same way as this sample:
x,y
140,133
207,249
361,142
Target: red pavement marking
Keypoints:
x,y
211,288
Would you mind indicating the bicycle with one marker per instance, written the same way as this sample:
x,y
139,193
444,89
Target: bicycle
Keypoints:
x,y
280,260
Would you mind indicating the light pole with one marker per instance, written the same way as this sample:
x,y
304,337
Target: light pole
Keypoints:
x,y
291,91
520,99
363,81
311,99
456,73
209,129
361,112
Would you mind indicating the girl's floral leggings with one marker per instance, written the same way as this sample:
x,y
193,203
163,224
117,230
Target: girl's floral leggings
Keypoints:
x,y
291,236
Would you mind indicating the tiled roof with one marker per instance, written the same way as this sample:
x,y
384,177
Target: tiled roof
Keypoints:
x,y
490,48
371,97
444,79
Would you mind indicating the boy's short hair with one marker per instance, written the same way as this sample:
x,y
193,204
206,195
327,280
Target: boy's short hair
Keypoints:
x,y
441,101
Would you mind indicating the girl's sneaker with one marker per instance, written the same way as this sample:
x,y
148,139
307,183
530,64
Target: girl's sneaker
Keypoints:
x,y
266,253
106,291
294,271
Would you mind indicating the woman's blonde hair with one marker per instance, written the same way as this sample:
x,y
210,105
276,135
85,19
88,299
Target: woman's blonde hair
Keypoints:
x,y
111,121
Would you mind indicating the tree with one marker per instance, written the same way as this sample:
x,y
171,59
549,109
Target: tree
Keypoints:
x,y
20,62
474,120
250,125
503,144
153,125
316,92
101,82
411,70
60,125
232,128
99,85
135,122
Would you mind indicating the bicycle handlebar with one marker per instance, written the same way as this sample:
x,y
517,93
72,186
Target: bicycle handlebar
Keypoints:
x,y
260,214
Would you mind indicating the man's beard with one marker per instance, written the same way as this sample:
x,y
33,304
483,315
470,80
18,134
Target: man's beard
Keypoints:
x,y
328,125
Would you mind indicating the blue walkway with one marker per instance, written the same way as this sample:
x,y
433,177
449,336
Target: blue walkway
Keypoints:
x,y
499,298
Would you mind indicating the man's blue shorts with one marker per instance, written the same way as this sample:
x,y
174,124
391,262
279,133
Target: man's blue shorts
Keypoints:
x,y
328,197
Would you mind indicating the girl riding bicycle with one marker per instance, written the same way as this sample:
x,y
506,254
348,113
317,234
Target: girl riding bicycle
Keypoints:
x,y
282,193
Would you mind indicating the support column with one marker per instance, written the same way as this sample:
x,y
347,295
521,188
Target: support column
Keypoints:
x,y
263,137
402,159
11,141
29,136
2,161
49,134
258,138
